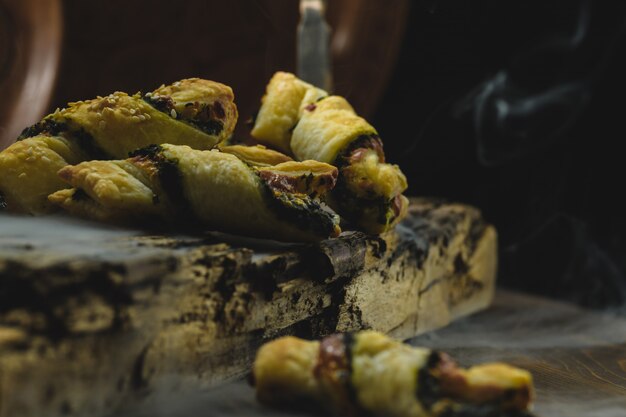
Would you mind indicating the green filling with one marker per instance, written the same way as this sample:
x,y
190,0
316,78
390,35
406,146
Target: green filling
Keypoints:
x,y
46,126
87,143
165,104
356,208
170,179
428,387
80,195
302,211
80,137
351,206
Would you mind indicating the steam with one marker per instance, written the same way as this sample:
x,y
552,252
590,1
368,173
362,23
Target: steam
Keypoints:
x,y
529,106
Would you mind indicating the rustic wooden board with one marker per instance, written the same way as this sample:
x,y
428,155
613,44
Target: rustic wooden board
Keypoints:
x,y
577,358
94,317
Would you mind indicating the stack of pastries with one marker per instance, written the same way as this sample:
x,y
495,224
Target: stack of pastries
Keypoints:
x,y
162,157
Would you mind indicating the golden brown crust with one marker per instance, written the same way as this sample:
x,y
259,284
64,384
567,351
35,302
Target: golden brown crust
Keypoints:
x,y
327,129
257,155
283,102
369,373
481,384
183,187
283,371
306,177
28,171
200,101
109,128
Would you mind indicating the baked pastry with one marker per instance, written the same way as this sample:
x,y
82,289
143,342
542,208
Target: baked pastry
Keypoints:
x,y
368,373
281,107
194,112
257,155
181,186
302,119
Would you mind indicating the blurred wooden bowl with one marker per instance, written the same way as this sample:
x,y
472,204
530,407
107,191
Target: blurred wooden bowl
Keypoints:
x,y
30,47
138,45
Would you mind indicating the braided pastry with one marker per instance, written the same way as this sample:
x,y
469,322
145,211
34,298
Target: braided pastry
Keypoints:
x,y
180,186
194,112
367,373
302,119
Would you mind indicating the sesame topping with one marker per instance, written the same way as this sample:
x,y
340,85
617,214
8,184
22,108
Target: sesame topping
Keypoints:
x,y
173,113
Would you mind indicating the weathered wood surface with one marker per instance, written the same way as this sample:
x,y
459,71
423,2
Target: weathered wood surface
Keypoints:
x,y
577,358
92,318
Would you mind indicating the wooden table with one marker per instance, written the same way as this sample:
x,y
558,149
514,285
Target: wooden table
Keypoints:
x,y
94,317
577,357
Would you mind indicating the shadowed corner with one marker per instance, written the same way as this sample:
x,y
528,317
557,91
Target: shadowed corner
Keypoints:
x,y
517,118
526,108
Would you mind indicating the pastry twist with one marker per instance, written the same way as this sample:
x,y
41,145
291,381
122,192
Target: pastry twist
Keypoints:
x,y
302,119
180,186
367,373
195,112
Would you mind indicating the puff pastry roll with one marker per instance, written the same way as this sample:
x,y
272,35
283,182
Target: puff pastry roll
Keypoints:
x,y
180,186
298,117
368,373
283,103
194,112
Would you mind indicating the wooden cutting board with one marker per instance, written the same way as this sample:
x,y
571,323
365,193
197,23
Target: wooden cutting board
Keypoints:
x,y
93,317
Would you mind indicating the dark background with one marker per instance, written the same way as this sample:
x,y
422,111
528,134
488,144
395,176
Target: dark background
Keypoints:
x,y
518,108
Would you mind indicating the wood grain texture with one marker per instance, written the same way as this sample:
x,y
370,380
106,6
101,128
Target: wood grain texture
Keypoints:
x,y
577,358
91,318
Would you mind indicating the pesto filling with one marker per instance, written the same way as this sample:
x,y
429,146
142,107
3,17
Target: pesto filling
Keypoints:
x,y
170,179
46,126
206,122
351,205
354,207
301,210
428,387
80,137
80,195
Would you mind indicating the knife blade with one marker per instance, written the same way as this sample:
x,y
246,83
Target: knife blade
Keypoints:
x,y
314,63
